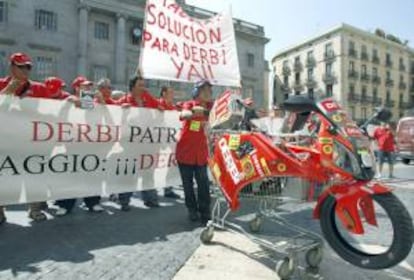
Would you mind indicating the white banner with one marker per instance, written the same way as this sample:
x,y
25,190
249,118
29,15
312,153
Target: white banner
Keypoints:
x,y
51,150
178,47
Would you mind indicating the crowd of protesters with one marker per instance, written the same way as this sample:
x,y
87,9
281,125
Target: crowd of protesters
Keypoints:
x,y
192,142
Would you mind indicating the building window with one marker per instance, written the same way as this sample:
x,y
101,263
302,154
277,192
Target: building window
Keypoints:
x,y
401,79
45,20
364,113
310,74
310,55
297,78
375,93
310,93
388,75
352,108
351,89
286,80
136,33
351,66
364,93
401,98
3,11
388,97
99,72
364,69
374,71
285,63
101,30
44,67
328,48
329,90
250,60
351,45
3,63
328,68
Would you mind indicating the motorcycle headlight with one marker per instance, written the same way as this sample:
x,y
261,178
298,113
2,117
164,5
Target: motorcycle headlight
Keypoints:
x,y
345,159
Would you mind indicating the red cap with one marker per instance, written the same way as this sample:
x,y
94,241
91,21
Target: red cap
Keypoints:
x,y
53,84
80,81
20,59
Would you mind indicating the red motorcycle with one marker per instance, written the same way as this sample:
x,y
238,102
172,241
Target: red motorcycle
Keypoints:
x,y
337,156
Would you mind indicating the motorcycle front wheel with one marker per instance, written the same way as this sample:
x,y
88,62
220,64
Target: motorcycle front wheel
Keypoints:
x,y
381,246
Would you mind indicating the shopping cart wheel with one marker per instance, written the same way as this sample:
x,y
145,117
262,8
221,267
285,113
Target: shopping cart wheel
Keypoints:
x,y
207,235
255,224
314,256
285,268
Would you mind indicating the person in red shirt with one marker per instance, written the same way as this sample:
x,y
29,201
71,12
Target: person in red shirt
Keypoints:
x,y
92,202
139,96
104,93
167,102
19,84
192,151
55,87
386,147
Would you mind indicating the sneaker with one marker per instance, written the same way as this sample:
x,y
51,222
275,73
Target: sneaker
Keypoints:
x,y
125,208
61,212
171,194
378,176
37,216
151,204
97,208
2,217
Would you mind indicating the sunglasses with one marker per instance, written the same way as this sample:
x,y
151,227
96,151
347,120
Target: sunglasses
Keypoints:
x,y
26,66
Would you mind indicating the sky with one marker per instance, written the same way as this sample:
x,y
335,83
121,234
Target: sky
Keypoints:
x,y
287,23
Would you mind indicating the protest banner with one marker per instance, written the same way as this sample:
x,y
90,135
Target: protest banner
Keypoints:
x,y
178,47
49,149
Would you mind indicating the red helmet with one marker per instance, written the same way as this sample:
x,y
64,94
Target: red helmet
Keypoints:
x,y
53,84
80,80
20,59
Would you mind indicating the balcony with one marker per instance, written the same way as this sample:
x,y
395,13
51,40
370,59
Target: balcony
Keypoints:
x,y
352,97
353,53
376,60
364,56
376,80
352,74
286,70
329,56
402,68
310,62
389,83
366,99
389,103
376,101
388,63
298,86
402,86
365,77
297,67
404,105
285,88
311,83
329,78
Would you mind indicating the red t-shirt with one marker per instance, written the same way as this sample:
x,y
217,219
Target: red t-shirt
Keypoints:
x,y
192,147
148,101
166,106
108,101
385,139
59,96
28,89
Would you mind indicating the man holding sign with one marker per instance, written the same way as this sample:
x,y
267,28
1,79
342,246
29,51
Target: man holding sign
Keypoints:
x,y
192,152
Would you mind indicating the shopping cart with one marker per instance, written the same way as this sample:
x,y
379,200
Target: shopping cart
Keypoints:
x,y
282,241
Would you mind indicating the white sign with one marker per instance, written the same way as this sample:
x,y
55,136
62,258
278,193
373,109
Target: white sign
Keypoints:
x,y
178,47
50,149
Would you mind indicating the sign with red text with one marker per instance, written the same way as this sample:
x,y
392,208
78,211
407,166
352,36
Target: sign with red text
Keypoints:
x,y
178,47
49,149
